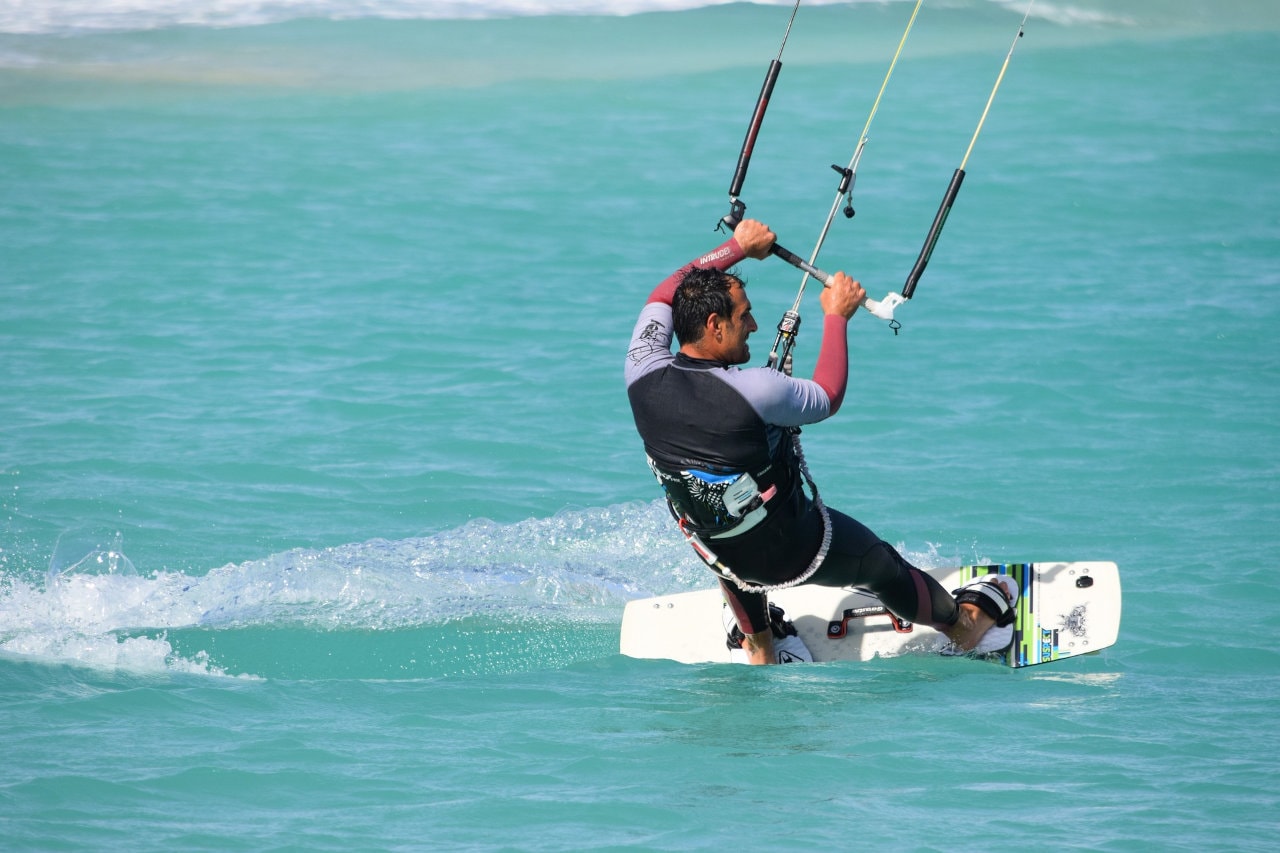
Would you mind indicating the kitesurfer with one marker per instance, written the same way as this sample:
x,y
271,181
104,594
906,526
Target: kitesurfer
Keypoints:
x,y
719,438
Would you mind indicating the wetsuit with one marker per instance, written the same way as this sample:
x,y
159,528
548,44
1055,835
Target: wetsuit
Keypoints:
x,y
705,424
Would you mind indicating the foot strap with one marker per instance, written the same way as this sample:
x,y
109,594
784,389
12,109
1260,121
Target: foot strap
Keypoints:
x,y
787,645
990,597
779,624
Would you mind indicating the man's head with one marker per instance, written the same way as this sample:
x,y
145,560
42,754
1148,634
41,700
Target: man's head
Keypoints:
x,y
712,316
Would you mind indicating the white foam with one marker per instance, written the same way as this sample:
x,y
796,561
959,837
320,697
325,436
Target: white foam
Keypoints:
x,y
54,16
1072,15
581,565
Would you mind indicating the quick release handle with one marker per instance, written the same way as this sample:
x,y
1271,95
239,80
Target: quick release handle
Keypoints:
x,y
757,119
934,232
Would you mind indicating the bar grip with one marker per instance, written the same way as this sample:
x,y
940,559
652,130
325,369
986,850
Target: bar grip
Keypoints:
x,y
800,263
733,218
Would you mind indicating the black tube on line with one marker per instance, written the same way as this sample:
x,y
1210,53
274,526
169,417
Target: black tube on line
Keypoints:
x,y
935,231
737,208
947,200
749,144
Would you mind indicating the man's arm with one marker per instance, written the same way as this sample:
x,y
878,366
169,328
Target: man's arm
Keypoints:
x,y
751,239
840,300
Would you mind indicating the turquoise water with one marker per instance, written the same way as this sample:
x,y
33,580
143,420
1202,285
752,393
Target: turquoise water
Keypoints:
x,y
322,500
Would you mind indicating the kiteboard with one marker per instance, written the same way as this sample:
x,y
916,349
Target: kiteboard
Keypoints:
x,y
1064,610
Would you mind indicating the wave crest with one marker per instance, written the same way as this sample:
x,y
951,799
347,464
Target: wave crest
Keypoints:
x,y
576,568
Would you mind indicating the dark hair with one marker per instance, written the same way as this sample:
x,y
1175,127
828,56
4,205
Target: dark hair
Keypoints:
x,y
701,293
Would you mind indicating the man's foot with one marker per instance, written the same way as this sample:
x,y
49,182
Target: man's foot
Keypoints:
x,y
986,615
779,643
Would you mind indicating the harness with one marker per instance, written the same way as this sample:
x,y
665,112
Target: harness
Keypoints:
x,y
711,505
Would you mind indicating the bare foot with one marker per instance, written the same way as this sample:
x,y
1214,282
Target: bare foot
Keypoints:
x,y
970,627
759,647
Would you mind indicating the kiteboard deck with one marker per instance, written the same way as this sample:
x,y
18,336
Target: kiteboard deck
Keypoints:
x,y
1064,610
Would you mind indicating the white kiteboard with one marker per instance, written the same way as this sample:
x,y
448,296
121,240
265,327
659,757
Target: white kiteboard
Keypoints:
x,y
1063,610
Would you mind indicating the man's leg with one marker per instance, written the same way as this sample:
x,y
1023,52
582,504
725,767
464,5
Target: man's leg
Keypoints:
x,y
858,557
751,610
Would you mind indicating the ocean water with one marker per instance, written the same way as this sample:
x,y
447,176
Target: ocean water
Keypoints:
x,y
321,496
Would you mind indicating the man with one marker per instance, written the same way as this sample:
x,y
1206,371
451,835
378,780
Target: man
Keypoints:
x,y
720,441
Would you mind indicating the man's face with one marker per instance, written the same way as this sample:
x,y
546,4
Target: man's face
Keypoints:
x,y
736,328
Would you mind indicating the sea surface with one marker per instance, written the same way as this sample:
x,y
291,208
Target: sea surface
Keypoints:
x,y
320,498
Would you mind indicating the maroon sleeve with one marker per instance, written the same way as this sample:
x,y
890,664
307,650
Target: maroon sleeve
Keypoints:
x,y
721,258
832,369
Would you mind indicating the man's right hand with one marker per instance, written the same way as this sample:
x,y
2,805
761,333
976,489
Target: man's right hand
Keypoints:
x,y
755,238
842,296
